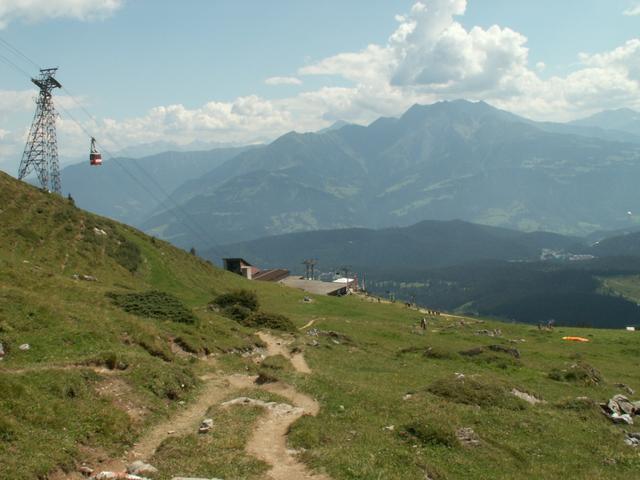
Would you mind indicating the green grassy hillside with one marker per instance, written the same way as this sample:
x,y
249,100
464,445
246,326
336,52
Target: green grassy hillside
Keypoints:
x,y
392,401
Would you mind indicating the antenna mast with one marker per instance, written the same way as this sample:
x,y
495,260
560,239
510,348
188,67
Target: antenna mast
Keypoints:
x,y
41,151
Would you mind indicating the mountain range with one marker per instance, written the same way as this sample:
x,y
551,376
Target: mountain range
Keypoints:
x,y
427,244
444,161
449,160
131,189
469,268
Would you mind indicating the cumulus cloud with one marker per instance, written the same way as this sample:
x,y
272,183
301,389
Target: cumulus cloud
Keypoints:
x,y
429,56
38,10
632,11
283,81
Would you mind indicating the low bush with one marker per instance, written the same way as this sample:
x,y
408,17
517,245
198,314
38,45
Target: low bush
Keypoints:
x,y
429,435
236,312
153,304
577,373
244,298
576,404
265,377
471,391
433,352
274,321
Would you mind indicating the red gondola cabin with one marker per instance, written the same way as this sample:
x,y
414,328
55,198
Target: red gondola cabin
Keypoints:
x,y
94,157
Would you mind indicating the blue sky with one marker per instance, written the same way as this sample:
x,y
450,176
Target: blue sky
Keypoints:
x,y
153,70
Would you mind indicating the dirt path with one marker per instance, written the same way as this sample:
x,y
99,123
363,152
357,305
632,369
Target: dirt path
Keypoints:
x,y
269,439
187,421
278,346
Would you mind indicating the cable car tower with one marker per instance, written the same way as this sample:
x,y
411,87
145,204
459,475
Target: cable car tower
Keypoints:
x,y
41,151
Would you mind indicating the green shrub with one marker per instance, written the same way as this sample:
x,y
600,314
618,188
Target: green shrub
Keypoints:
x,y
433,352
577,404
153,304
245,298
430,434
274,321
577,373
470,391
237,312
265,377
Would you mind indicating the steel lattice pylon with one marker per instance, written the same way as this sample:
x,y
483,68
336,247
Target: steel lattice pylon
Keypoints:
x,y
41,151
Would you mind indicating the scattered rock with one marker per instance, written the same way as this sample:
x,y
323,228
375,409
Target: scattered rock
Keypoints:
x,y
193,478
389,428
277,408
140,468
86,278
86,471
626,388
467,437
206,425
620,410
472,352
24,347
624,418
99,232
117,476
407,396
526,397
1,351
514,352
490,333
632,439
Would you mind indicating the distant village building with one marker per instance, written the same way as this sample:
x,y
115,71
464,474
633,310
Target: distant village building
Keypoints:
x,y
273,275
337,287
316,287
241,267
351,283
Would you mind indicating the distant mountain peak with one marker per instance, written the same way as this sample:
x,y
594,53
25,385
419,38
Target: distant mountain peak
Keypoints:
x,y
337,125
622,119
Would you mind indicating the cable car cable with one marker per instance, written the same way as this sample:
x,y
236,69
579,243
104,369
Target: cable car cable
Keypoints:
x,y
141,184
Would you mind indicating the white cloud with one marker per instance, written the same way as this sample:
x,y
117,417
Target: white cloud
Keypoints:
x,y
430,56
38,10
12,101
283,81
632,11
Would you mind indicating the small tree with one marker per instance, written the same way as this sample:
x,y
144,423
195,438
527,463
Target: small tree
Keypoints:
x,y
71,200
192,251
